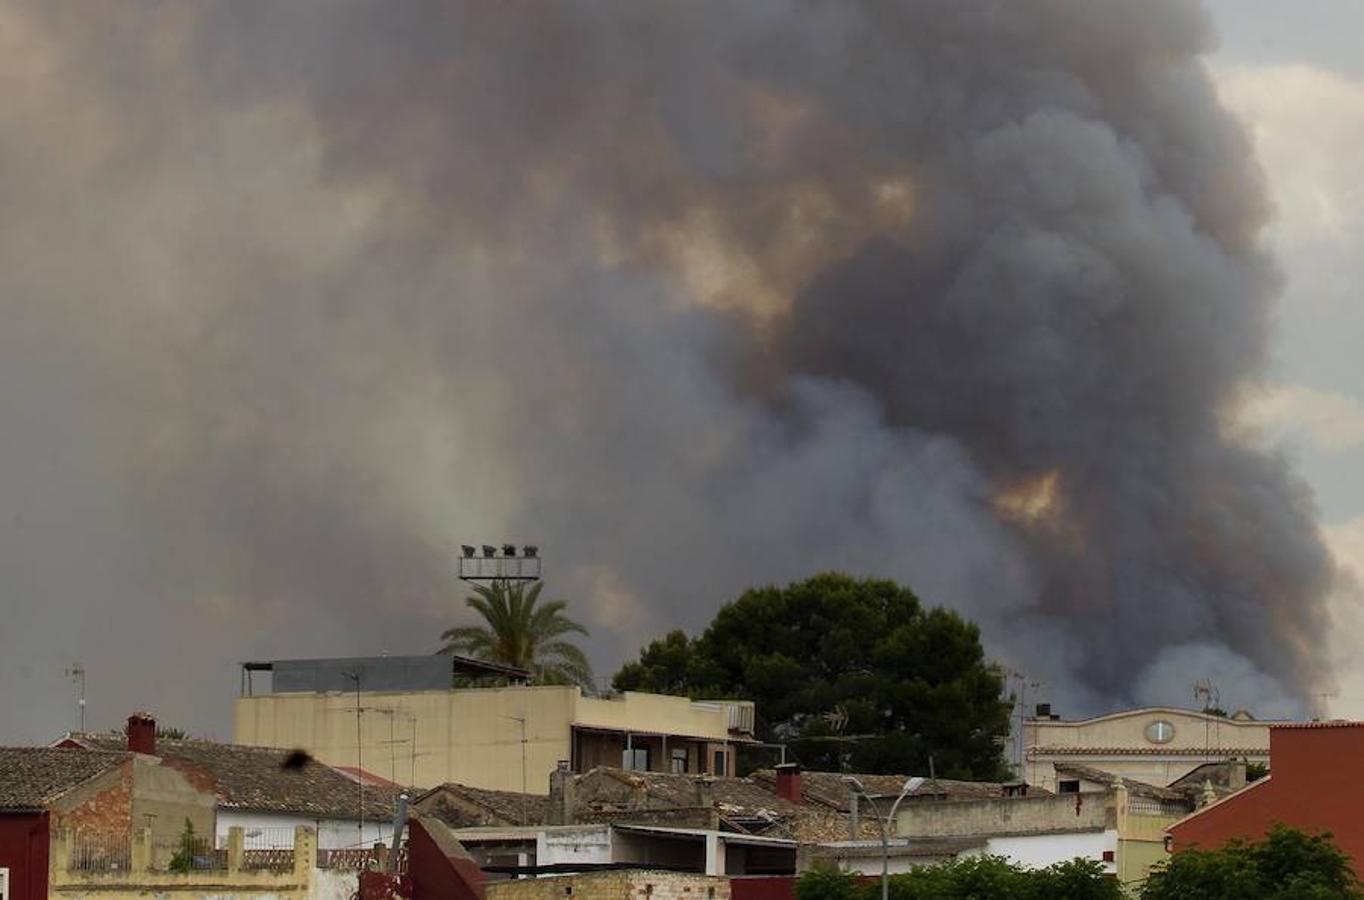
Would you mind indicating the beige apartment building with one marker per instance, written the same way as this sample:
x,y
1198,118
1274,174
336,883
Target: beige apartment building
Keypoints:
x,y
408,719
1155,745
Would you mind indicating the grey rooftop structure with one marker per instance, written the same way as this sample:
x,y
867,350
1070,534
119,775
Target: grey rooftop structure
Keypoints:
x,y
437,672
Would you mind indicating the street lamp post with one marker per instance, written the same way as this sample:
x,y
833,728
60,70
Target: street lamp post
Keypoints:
x,y
857,787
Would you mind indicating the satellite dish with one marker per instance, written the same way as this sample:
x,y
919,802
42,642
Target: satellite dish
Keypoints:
x,y
913,784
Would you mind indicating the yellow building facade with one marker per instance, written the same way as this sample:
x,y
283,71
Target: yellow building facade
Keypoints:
x,y
500,738
1155,745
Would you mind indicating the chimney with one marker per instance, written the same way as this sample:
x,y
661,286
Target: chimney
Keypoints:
x,y
142,733
561,795
705,799
788,782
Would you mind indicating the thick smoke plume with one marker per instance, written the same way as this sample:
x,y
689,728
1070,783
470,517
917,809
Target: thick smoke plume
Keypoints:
x,y
298,296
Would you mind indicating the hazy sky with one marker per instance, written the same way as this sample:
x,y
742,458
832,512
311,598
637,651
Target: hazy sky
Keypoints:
x,y
1293,71
260,374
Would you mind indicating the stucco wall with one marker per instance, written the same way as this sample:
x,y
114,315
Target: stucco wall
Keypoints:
x,y
1015,815
164,798
1135,858
469,736
142,879
653,712
626,885
1041,850
1207,737
590,844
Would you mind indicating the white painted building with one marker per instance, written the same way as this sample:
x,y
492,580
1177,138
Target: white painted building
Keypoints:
x,y
274,831
1037,851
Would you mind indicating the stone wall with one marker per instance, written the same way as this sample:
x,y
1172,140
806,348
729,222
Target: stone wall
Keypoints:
x,y
626,884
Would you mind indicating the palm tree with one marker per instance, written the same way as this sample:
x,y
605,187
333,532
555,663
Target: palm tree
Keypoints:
x,y
522,632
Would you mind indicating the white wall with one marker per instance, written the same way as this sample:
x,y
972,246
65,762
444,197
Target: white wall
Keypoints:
x,y
581,845
275,831
1036,851
871,865
333,884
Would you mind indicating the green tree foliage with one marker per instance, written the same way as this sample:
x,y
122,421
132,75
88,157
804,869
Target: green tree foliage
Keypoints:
x,y
183,860
913,682
1286,865
976,878
521,631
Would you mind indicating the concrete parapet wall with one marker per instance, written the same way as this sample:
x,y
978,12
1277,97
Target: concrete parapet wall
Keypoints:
x,y
1008,816
302,881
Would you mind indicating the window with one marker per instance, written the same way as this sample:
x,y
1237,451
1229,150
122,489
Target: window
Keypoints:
x,y
4,884
1068,787
719,763
679,762
635,759
1160,732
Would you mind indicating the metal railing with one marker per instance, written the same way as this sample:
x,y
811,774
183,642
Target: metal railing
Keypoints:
x,y
356,859
100,852
267,837
187,854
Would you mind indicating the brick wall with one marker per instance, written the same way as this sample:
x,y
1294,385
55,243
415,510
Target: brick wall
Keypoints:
x,y
629,884
106,809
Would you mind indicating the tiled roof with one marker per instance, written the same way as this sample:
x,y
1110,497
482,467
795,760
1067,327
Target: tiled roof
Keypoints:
x,y
735,798
703,801
1214,752
33,777
262,779
829,789
462,806
1134,787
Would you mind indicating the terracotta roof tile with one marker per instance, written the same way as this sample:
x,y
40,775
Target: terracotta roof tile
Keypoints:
x,y
33,777
258,779
1134,787
828,788
462,806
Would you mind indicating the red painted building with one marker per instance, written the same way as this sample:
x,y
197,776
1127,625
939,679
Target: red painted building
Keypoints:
x,y
32,782
23,854
1315,787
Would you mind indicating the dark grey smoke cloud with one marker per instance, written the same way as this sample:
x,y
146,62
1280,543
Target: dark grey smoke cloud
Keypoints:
x,y
296,297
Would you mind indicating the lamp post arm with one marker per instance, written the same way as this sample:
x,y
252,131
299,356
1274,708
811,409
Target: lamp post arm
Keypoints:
x,y
885,847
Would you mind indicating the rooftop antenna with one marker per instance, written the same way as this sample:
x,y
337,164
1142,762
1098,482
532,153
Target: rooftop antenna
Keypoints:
x,y
77,674
1020,740
1210,698
359,759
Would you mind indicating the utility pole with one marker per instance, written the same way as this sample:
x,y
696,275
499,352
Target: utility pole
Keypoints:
x,y
359,758
521,720
77,674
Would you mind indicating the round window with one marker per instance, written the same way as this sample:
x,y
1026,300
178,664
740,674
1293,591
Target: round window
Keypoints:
x,y
1160,732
